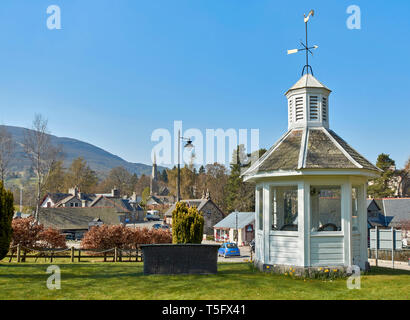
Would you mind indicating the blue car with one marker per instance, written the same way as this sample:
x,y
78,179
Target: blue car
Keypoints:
x,y
229,249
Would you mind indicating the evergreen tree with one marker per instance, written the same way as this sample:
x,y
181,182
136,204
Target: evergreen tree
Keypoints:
x,y
164,176
187,224
6,217
382,186
201,170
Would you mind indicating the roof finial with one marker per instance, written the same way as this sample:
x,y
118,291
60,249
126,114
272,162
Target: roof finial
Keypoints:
x,y
306,47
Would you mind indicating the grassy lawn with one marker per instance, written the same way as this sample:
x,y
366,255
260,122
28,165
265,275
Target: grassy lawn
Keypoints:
x,y
87,280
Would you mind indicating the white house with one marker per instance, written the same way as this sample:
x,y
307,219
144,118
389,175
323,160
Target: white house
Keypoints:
x,y
310,190
244,222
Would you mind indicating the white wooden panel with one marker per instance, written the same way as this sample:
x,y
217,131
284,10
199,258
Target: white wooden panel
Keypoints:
x,y
326,251
285,249
356,249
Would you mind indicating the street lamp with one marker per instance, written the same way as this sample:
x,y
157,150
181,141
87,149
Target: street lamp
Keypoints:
x,y
189,146
237,234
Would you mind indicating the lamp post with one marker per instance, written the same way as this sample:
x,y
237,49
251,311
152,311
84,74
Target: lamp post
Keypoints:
x,y
189,146
236,225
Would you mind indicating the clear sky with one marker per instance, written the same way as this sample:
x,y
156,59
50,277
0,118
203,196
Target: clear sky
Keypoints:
x,y
120,69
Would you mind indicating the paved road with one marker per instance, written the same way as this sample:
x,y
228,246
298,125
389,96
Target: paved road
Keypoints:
x,y
244,257
388,264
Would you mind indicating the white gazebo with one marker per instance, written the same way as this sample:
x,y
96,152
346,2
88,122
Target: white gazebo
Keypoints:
x,y
310,190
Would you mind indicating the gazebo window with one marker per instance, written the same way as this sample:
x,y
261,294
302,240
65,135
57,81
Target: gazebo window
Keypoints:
x,y
326,214
355,210
260,208
284,208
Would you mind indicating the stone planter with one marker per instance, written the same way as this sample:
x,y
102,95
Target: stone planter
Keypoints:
x,y
180,258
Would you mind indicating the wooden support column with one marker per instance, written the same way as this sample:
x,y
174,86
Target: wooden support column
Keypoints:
x,y
362,212
266,222
304,223
347,222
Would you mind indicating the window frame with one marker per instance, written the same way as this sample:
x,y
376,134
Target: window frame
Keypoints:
x,y
291,185
326,233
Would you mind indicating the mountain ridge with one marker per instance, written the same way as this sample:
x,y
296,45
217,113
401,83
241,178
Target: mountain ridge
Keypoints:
x,y
99,159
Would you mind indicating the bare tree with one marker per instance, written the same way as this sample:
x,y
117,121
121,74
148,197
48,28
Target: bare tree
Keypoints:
x,y
41,153
6,152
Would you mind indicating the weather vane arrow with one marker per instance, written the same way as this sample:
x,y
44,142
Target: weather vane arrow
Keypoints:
x,y
306,47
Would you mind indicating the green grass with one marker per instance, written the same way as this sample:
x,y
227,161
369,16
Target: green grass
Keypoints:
x,y
87,280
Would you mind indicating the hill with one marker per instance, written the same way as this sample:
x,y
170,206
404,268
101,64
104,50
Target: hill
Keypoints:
x,y
97,158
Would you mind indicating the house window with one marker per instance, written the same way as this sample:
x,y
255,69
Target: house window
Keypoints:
x,y
284,208
355,209
260,208
325,202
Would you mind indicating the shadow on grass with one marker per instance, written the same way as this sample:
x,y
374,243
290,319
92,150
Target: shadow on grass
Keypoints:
x,y
380,271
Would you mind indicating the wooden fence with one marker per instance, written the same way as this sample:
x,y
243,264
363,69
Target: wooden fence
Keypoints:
x,y
114,254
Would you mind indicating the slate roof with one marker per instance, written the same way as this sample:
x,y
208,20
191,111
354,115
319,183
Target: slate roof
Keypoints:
x,y
77,218
388,212
310,148
198,203
396,210
229,222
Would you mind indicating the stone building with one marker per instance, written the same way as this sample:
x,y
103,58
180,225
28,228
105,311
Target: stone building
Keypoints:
x,y
211,212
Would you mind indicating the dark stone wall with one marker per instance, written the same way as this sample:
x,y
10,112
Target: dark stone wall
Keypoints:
x,y
180,258
212,215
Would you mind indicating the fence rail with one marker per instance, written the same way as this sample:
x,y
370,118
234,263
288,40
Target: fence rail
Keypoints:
x,y
114,254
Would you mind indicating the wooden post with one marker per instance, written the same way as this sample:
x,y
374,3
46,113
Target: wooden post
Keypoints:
x,y
72,254
377,244
115,254
105,256
18,252
392,247
51,257
79,254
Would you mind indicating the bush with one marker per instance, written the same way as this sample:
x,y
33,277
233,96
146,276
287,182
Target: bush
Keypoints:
x,y
187,224
107,237
6,216
28,233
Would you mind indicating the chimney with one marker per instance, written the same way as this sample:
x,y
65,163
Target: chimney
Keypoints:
x,y
115,193
73,191
134,196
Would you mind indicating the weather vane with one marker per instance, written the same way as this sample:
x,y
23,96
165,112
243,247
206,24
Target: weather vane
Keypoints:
x,y
306,46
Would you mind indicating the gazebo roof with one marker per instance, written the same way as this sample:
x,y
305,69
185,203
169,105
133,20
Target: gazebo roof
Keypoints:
x,y
308,81
310,148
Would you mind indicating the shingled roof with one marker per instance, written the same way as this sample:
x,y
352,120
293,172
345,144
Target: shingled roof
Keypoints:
x,y
78,218
310,148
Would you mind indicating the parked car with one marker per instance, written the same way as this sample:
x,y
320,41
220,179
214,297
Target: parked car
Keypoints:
x,y
164,226
69,236
152,215
229,249
252,245
157,226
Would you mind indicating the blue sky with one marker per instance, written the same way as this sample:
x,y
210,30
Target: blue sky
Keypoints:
x,y
120,69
